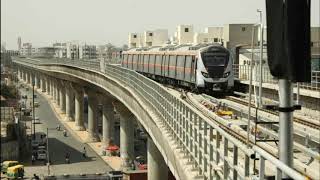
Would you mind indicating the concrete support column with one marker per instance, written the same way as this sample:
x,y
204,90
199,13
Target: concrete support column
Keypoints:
x,y
157,167
28,77
31,79
36,84
19,73
54,97
69,102
79,108
47,85
51,88
92,117
57,93
24,76
107,121
42,85
126,135
62,97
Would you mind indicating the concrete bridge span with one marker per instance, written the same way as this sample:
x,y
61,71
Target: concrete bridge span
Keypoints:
x,y
180,137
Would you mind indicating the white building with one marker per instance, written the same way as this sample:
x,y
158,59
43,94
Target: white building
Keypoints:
x,y
87,52
235,34
157,37
135,40
45,52
211,35
60,50
72,50
26,49
76,50
184,34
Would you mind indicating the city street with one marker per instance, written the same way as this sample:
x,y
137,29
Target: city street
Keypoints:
x,y
60,145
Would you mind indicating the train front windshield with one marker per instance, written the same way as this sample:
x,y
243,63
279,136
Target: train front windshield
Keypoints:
x,y
215,60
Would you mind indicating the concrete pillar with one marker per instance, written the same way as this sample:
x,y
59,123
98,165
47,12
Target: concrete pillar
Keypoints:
x,y
28,77
42,85
92,117
19,73
51,88
54,91
126,135
36,84
47,82
157,167
79,108
57,93
107,121
31,78
24,76
62,97
69,102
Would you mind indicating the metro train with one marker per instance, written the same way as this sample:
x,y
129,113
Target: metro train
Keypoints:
x,y
202,68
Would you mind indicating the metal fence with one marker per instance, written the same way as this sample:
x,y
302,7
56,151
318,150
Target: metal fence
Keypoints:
x,y
212,151
241,72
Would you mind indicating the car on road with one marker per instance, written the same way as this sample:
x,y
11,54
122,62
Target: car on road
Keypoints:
x,y
42,154
6,164
36,104
36,120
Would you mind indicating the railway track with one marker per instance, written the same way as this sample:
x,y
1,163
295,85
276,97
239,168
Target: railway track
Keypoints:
x,y
295,119
243,138
233,133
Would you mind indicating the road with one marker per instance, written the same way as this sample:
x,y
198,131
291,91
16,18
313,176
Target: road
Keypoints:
x,y
60,145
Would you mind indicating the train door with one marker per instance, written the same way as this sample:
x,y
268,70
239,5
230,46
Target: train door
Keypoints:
x,y
187,69
158,64
180,67
151,63
172,66
193,69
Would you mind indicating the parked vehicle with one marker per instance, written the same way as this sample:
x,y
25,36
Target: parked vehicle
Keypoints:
x,y
36,120
15,172
36,104
42,154
6,164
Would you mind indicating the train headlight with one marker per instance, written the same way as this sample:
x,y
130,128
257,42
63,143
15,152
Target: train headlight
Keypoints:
x,y
226,74
206,75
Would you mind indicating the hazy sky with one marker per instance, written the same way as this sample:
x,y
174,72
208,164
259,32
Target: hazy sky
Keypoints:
x,y
101,21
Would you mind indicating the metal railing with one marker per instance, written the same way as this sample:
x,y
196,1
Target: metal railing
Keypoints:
x,y
241,72
212,151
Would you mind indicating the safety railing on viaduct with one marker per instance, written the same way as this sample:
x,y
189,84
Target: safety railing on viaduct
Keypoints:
x,y
191,130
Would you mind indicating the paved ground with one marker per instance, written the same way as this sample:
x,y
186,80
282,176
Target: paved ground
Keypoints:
x,y
59,145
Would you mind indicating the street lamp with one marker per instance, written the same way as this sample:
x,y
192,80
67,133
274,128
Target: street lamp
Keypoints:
x,y
33,110
48,155
261,57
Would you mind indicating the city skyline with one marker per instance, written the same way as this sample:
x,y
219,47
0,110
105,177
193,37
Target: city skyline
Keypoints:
x,y
46,22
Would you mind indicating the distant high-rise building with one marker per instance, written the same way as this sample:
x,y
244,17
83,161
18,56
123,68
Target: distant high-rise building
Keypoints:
x,y
19,43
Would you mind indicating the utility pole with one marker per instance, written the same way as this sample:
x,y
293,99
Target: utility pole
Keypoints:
x,y
48,157
33,109
250,85
261,59
285,123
